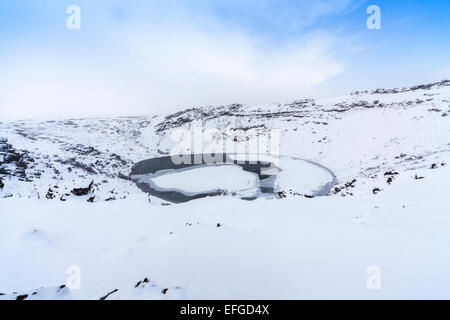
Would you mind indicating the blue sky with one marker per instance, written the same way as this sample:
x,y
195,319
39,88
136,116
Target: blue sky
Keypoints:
x,y
152,57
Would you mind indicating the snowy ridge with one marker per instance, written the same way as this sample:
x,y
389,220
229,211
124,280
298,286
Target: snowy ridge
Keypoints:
x,y
362,135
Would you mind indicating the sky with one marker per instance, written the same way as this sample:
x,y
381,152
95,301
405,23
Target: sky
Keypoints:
x,y
149,57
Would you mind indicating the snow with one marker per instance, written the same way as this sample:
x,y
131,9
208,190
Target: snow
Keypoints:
x,y
264,249
301,176
230,178
389,207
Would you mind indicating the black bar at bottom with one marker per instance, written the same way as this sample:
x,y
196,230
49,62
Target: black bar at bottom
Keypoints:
x,y
212,309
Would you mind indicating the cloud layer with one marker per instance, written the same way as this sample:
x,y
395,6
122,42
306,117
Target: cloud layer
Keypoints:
x,y
162,71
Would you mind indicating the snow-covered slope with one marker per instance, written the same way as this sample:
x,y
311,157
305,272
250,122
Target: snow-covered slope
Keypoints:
x,y
67,200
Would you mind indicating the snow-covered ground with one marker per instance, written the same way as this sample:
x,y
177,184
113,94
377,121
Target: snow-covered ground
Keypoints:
x,y
221,177
67,201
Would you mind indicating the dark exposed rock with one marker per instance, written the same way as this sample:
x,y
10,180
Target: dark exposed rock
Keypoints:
x,y
141,282
376,190
76,164
50,194
17,160
12,157
107,295
2,185
402,155
413,88
350,184
83,191
22,164
22,297
4,171
164,291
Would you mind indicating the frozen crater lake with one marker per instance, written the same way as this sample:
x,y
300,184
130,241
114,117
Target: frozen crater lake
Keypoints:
x,y
245,176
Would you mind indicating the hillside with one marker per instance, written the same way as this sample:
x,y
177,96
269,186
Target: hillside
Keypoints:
x,y
67,199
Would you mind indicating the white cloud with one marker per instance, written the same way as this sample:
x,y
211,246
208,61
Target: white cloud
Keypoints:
x,y
166,70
